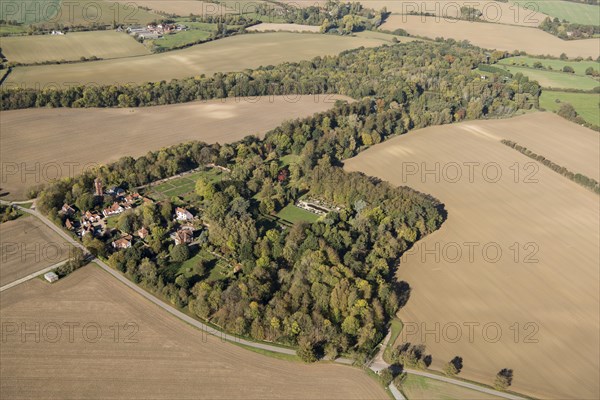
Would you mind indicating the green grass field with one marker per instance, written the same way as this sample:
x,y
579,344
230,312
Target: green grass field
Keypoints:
x,y
6,30
182,185
586,104
396,328
557,65
294,214
573,12
421,388
224,55
215,268
71,47
554,79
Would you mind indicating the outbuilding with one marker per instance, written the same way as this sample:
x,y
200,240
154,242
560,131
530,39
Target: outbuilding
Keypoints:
x,y
51,276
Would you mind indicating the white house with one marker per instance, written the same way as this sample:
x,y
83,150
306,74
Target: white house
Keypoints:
x,y
181,214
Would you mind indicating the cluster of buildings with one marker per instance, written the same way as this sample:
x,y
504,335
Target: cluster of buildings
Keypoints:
x,y
94,223
154,31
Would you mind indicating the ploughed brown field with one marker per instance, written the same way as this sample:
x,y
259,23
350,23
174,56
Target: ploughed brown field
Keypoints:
x,y
150,355
511,280
65,141
28,246
494,36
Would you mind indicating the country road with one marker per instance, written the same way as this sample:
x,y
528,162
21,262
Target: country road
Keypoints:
x,y
377,365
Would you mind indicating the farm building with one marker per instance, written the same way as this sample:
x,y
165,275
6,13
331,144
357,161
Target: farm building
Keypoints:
x,y
51,276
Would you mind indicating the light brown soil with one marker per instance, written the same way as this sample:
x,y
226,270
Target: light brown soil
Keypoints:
x,y
66,141
167,360
557,292
27,246
494,36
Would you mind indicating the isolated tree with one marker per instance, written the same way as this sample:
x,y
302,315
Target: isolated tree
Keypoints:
x,y
454,366
568,69
503,379
180,253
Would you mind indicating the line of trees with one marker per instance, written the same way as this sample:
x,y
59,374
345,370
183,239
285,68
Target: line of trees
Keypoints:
x,y
398,73
580,179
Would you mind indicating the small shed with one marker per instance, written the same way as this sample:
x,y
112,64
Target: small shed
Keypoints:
x,y
51,276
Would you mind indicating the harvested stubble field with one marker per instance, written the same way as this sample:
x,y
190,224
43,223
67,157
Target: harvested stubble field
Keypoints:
x,y
224,55
552,220
57,137
28,246
494,36
266,26
71,47
167,360
50,13
180,7
493,11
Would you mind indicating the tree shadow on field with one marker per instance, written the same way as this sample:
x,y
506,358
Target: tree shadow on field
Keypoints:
x,y
402,290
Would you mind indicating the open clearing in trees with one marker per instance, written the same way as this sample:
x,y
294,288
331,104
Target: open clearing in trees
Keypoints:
x,y
225,55
71,47
28,246
549,287
56,138
163,358
494,36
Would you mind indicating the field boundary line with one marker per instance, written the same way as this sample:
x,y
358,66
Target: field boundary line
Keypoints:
x,y
33,275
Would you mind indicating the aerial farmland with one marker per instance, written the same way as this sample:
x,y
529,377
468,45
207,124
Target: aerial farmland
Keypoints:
x,y
281,199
